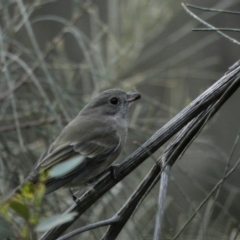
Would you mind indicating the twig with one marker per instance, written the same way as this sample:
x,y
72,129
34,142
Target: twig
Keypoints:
x,y
217,29
209,25
213,9
103,223
226,170
161,202
206,199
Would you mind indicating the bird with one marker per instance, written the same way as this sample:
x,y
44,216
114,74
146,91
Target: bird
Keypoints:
x,y
97,135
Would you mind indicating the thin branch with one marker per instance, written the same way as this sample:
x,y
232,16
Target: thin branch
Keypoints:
x,y
217,29
213,9
206,199
226,170
209,25
103,223
161,202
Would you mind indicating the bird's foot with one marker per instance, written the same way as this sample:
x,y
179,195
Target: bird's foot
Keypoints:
x,y
113,170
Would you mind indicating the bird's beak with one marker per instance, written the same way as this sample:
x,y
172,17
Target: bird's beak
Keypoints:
x,y
133,96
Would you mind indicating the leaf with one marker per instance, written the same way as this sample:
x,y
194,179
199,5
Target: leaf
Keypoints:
x,y
65,167
20,208
54,221
25,232
39,193
5,231
27,191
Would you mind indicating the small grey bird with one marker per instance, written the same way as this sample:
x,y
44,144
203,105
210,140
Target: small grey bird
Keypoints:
x,y
98,133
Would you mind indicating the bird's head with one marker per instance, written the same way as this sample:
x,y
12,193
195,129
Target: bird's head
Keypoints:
x,y
113,102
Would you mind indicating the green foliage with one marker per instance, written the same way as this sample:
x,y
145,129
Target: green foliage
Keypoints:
x,y
20,208
25,204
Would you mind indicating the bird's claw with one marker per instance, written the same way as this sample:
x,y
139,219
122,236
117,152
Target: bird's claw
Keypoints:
x,y
113,170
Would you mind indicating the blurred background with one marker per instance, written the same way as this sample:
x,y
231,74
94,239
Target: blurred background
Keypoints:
x,y
57,55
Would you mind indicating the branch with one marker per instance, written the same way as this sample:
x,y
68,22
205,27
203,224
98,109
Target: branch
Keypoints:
x,y
200,104
129,207
170,155
168,158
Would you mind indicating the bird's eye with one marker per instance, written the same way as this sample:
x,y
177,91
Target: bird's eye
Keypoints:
x,y
114,101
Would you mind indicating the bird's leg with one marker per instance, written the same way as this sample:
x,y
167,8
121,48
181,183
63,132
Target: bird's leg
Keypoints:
x,y
96,178
112,169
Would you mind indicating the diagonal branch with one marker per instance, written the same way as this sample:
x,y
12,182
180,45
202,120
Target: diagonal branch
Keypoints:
x,y
171,154
164,163
188,138
199,105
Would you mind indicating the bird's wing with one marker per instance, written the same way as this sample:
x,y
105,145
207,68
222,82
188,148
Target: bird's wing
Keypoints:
x,y
95,152
88,149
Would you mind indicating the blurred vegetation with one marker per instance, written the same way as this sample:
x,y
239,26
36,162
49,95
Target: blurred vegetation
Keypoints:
x,y
56,55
